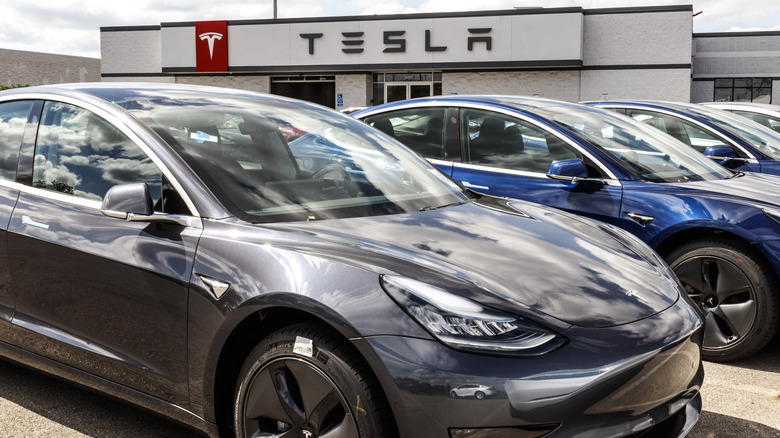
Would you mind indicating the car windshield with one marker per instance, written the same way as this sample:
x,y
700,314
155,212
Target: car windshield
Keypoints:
x,y
640,149
762,138
281,160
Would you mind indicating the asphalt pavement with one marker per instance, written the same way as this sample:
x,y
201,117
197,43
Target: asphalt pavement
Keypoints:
x,y
741,399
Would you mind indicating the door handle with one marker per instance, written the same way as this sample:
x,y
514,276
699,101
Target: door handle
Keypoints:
x,y
29,221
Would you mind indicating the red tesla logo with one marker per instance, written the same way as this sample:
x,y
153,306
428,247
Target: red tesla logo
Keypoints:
x,y
211,47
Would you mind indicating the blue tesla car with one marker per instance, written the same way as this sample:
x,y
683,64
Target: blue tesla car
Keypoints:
x,y
732,140
718,229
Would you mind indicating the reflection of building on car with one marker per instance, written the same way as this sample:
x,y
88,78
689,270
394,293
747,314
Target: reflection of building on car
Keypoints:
x,y
708,222
477,391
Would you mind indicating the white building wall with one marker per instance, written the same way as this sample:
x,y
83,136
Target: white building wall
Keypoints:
x,y
356,89
132,51
638,46
638,38
674,85
561,85
703,91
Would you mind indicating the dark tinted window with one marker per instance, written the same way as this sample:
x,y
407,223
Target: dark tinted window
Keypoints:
x,y
498,140
13,118
81,154
683,130
422,129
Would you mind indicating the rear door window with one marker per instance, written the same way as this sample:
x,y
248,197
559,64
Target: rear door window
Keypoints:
x,y
421,129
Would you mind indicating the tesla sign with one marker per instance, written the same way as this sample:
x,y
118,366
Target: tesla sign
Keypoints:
x,y
211,48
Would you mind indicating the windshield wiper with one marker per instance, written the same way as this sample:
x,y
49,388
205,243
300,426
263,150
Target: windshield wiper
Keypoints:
x,y
436,207
736,175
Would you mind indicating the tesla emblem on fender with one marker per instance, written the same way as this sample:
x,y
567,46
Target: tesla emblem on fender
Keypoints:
x,y
635,294
210,37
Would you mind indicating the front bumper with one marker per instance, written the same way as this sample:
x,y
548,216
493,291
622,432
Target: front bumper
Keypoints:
x,y
639,379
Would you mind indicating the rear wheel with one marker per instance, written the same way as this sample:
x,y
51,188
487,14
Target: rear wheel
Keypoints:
x,y
737,290
305,381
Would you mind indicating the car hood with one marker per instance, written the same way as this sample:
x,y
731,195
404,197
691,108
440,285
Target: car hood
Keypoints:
x,y
750,189
507,254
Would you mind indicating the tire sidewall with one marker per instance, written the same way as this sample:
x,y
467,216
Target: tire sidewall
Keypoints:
x,y
764,326
281,345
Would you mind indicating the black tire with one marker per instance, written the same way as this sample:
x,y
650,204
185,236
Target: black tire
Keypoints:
x,y
479,395
736,288
304,378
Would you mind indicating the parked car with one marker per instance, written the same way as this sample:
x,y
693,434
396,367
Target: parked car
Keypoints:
x,y
717,229
763,113
161,244
733,141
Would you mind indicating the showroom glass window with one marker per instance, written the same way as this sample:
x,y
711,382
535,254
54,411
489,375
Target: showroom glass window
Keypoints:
x,y
13,119
81,154
743,90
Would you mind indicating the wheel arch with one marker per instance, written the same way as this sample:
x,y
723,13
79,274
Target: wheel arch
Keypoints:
x,y
243,338
681,237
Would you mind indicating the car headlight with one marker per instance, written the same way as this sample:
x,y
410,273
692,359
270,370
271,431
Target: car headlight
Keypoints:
x,y
467,325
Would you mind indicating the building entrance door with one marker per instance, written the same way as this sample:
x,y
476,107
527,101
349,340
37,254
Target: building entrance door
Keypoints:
x,y
395,91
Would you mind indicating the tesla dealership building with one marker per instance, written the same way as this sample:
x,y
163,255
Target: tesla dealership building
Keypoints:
x,y
562,53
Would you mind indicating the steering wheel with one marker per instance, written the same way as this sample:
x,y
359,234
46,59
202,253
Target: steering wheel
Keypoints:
x,y
335,181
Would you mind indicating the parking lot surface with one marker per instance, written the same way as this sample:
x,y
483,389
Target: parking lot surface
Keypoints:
x,y
740,400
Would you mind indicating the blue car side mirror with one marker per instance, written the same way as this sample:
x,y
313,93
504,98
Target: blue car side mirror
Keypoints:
x,y
567,169
573,170
720,151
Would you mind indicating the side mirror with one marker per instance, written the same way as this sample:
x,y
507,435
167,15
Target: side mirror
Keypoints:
x,y
133,203
720,152
567,169
124,200
573,170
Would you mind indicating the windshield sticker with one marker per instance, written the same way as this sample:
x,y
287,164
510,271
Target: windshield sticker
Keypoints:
x,y
201,137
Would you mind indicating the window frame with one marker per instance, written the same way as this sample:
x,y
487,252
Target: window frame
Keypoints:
x,y
730,89
27,152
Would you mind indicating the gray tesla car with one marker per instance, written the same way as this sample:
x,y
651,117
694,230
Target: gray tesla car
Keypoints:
x,y
166,245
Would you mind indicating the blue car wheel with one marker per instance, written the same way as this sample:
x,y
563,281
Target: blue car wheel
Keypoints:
x,y
736,290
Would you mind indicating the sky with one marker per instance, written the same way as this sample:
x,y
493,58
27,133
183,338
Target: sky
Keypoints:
x,y
72,27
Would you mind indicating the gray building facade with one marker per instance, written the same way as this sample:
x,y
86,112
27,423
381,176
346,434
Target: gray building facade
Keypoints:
x,y
21,68
561,53
736,66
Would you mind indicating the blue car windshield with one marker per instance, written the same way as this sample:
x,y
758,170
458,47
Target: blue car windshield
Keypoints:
x,y
762,138
640,149
272,160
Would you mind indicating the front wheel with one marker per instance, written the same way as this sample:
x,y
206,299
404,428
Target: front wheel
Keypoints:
x,y
736,289
305,381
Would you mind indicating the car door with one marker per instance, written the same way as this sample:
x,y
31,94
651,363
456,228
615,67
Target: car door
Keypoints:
x,y
695,136
14,117
97,293
503,155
